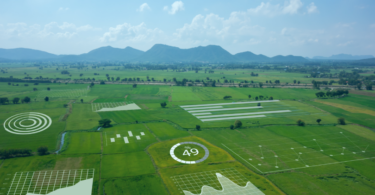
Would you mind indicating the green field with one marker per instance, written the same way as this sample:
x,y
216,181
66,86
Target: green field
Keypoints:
x,y
132,155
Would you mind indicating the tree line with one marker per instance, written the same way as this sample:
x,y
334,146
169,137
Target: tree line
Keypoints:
x,y
12,153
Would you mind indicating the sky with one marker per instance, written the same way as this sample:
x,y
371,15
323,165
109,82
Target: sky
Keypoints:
x,y
270,27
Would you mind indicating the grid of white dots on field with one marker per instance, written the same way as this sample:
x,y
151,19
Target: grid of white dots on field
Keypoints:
x,y
192,183
282,154
44,182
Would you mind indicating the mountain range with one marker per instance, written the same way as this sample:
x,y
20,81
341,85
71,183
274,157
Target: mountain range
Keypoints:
x,y
159,53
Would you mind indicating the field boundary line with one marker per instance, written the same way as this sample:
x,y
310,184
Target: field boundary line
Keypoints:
x,y
242,158
320,165
157,138
101,157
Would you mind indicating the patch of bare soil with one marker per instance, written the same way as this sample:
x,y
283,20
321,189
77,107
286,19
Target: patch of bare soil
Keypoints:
x,y
126,96
170,98
68,163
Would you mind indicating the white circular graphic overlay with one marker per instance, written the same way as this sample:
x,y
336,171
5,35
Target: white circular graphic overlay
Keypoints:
x,y
38,122
206,153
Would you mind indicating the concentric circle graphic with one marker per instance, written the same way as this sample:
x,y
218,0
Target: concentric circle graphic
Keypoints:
x,y
206,153
27,123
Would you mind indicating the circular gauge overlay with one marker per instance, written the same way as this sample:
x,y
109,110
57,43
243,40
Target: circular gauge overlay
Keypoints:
x,y
27,123
194,151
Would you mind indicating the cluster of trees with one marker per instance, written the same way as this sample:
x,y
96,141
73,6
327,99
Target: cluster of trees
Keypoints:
x,y
332,93
105,123
5,100
65,72
163,104
11,153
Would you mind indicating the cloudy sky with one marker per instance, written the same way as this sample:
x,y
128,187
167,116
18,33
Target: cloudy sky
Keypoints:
x,y
270,27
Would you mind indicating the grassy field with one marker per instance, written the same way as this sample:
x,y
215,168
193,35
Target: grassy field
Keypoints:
x,y
83,143
136,163
132,156
82,117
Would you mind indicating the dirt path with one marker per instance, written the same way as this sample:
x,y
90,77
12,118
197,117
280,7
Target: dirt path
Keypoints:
x,y
144,106
126,97
170,98
70,108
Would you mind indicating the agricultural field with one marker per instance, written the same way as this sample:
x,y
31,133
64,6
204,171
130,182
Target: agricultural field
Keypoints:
x,y
159,138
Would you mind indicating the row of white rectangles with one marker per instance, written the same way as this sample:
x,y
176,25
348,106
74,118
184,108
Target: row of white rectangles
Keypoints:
x,y
126,140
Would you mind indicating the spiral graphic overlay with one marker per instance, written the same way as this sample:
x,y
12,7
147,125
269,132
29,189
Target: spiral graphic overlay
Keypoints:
x,y
16,123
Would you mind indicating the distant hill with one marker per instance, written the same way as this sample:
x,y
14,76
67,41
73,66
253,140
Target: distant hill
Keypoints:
x,y
159,53
165,53
343,57
249,57
25,54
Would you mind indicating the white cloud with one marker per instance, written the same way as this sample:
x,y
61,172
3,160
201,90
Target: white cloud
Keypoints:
x,y
236,28
312,8
127,32
290,7
53,30
293,7
175,7
63,9
144,7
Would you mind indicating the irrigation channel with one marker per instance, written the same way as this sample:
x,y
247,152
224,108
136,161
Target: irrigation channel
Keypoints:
x,y
61,143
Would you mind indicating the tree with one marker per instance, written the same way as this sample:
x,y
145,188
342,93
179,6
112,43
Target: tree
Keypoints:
x,y
231,127
260,84
26,99
238,124
48,88
134,85
16,100
198,127
105,123
256,98
249,96
227,97
102,82
341,121
65,105
163,104
258,104
301,123
92,84
271,98
81,100
4,100
35,89
318,120
46,99
42,150
359,86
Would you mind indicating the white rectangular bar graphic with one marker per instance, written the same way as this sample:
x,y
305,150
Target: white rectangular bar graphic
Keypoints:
x,y
231,118
186,106
206,113
142,133
250,113
118,135
130,134
239,108
200,108
138,137
126,140
112,139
